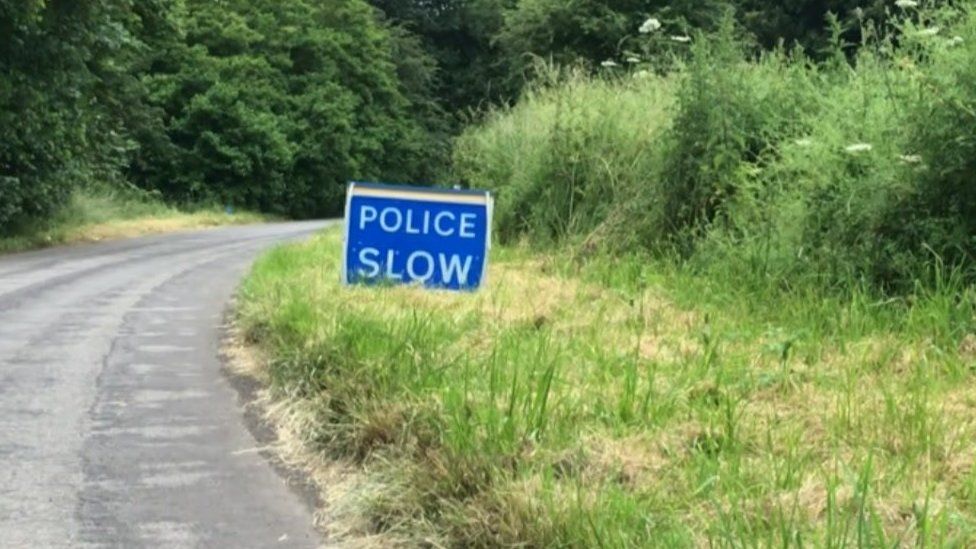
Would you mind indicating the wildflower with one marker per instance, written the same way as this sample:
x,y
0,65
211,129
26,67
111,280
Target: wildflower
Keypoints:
x,y
609,64
859,148
956,41
910,158
641,75
931,31
905,4
649,26
804,142
633,60
681,39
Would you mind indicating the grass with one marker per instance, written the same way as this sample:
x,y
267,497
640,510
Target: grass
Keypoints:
x,y
103,213
855,169
621,402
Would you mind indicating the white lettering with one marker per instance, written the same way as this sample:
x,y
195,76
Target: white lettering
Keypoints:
x,y
437,223
384,220
453,269
412,264
390,256
367,214
467,225
410,228
369,257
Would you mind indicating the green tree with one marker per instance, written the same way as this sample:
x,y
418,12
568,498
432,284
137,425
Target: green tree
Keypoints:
x,y
275,105
805,22
66,99
592,31
459,36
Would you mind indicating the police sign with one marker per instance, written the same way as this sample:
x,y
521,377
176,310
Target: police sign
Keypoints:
x,y
415,235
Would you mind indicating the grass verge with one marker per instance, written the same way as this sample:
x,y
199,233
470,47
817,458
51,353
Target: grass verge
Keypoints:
x,y
104,213
619,403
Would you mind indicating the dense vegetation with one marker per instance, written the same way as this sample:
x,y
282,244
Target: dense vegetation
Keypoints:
x,y
274,105
733,305
265,105
779,169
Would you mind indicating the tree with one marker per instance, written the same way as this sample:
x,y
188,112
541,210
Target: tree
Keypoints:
x,y
63,64
460,37
592,31
275,105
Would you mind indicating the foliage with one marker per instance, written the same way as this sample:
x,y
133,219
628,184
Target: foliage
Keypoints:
x,y
591,30
568,155
841,173
621,402
267,105
460,37
939,212
52,134
276,105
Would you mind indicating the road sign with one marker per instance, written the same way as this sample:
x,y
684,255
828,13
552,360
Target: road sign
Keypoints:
x,y
398,234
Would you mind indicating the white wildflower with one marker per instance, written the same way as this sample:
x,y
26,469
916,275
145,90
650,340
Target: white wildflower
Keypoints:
x,y
910,158
956,41
642,75
681,39
609,64
649,26
859,148
931,31
804,142
633,60
905,4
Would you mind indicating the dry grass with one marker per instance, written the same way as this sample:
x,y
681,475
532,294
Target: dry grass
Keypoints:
x,y
128,228
698,419
340,483
106,213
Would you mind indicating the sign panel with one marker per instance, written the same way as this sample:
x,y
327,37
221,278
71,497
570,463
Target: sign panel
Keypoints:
x,y
399,234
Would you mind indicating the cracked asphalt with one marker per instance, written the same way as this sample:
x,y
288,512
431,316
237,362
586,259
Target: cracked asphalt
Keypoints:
x,y
117,425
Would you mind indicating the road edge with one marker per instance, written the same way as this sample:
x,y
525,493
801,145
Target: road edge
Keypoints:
x,y
237,365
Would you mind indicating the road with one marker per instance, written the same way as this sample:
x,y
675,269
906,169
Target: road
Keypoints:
x,y
117,426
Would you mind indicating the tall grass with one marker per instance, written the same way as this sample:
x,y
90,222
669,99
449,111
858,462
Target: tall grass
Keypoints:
x,y
779,171
97,212
570,154
624,406
734,308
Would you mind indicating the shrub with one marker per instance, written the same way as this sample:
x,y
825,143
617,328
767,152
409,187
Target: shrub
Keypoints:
x,y
570,156
847,173
729,113
281,121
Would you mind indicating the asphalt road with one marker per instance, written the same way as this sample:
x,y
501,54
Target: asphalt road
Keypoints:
x,y
117,426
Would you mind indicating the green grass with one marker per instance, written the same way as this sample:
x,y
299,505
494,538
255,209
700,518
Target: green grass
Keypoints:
x,y
624,402
105,212
789,172
725,313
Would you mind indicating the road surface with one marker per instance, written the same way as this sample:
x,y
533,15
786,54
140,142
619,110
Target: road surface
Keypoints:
x,y
117,427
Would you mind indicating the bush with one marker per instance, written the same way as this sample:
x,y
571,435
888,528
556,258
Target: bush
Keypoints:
x,y
50,136
281,121
939,214
779,171
571,156
729,112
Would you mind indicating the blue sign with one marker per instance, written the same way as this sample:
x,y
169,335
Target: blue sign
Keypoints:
x,y
436,238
